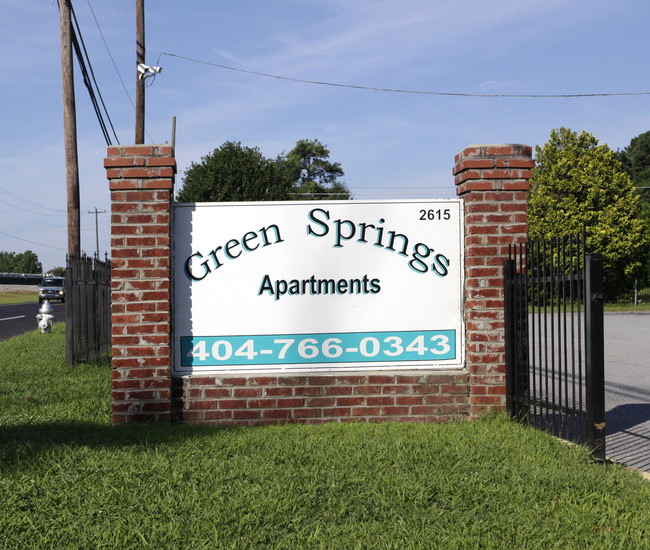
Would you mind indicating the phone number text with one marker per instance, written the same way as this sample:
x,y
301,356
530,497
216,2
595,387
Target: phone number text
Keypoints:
x,y
284,349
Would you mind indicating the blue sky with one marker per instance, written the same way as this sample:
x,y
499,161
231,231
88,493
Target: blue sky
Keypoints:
x,y
390,145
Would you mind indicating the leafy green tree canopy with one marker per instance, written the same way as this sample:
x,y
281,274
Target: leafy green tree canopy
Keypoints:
x,y
577,183
22,262
635,159
234,172
312,176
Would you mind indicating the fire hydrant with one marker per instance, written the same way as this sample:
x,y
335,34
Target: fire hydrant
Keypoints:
x,y
45,317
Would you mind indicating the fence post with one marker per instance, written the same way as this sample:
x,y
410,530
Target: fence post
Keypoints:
x,y
492,180
141,182
595,355
69,317
509,272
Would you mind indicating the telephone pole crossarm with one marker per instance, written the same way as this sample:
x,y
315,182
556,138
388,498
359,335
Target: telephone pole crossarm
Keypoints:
x,y
97,212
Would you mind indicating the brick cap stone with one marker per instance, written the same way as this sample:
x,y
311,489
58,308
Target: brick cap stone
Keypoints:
x,y
517,145
484,167
490,150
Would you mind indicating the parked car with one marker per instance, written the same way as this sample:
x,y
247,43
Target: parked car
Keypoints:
x,y
52,288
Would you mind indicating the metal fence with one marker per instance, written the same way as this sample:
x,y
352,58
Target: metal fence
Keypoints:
x,y
88,309
555,341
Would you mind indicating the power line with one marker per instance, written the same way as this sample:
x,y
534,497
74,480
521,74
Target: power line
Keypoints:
x,y
377,187
30,202
110,55
83,59
399,91
126,91
32,242
41,223
37,213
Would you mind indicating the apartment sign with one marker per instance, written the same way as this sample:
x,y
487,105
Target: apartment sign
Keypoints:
x,y
317,286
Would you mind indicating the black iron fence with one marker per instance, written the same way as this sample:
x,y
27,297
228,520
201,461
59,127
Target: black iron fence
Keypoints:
x,y
88,309
555,341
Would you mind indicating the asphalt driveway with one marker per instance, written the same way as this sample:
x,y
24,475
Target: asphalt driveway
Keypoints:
x,y
627,388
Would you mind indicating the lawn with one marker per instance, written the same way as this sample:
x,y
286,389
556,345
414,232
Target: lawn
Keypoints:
x,y
18,296
68,479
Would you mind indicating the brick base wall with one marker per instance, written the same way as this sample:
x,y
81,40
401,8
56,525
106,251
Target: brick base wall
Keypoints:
x,y
313,399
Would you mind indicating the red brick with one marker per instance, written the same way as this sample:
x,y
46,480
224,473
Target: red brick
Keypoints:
x,y
232,404
379,400
277,413
350,379
307,413
140,395
437,399
408,400
278,391
215,415
261,403
291,402
349,401
365,411
158,183
395,389
217,393
123,362
407,379
320,402
367,390
486,399
424,410
395,411
308,390
336,411
338,390
161,161
201,381
321,380
426,388
246,414
381,379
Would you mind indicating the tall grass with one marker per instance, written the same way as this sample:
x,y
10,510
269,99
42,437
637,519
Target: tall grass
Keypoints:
x,y
68,479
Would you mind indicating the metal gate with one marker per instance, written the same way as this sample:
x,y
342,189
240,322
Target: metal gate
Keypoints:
x,y
554,340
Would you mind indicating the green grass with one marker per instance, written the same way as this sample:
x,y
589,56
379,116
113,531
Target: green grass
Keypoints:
x,y
68,479
627,307
18,296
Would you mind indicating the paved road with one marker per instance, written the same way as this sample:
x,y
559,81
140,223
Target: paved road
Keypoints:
x,y
18,318
627,388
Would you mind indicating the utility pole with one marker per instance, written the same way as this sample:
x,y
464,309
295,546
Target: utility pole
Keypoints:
x,y
139,90
96,212
70,131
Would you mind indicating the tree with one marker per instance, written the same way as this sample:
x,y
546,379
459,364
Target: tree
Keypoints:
x,y
23,262
635,159
312,175
578,184
57,272
234,173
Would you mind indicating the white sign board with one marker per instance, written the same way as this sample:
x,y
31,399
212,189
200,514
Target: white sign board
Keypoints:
x,y
317,286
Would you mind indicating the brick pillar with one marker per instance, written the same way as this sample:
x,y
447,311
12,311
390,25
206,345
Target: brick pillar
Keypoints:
x,y
492,180
141,180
